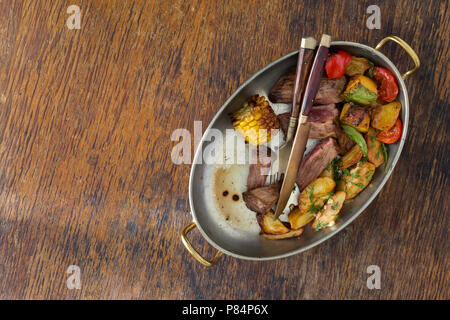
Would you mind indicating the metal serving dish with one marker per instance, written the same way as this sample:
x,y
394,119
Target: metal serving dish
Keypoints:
x,y
255,247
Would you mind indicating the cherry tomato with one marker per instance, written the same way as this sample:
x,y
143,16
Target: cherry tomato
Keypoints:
x,y
393,134
336,63
387,85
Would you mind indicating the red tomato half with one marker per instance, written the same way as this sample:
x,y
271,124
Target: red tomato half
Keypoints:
x,y
336,63
387,85
393,134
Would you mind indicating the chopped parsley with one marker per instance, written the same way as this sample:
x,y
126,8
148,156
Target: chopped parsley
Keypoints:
x,y
311,193
369,174
314,209
359,185
379,151
355,175
336,172
320,225
329,194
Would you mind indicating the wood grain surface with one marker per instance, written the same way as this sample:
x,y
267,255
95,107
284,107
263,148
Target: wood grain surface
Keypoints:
x,y
86,176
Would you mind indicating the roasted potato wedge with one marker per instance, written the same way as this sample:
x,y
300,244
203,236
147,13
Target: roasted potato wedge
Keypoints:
x,y
269,225
355,116
317,202
310,201
275,229
301,216
350,158
290,234
328,172
328,215
358,65
299,219
384,116
318,188
374,148
354,181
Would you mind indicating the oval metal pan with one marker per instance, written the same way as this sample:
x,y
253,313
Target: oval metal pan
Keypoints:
x,y
255,247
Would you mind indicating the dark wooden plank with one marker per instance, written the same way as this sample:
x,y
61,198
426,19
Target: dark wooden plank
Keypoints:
x,y
86,176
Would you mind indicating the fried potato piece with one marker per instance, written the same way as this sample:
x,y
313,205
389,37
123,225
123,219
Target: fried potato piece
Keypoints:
x,y
275,229
290,234
319,188
270,225
385,116
355,116
350,158
316,189
328,215
310,201
327,172
354,181
374,148
299,219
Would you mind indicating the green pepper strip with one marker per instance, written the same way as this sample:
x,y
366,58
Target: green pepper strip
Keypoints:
x,y
356,137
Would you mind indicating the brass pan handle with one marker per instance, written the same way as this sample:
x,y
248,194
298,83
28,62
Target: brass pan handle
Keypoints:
x,y
194,252
408,50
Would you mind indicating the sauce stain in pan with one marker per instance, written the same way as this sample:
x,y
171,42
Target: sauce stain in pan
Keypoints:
x,y
229,183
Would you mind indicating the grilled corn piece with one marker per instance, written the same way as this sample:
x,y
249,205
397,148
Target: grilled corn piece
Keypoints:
x,y
255,120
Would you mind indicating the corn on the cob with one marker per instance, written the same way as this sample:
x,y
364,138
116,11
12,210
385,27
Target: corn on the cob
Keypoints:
x,y
255,120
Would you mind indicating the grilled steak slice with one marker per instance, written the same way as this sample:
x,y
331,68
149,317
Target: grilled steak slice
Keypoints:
x,y
262,199
322,119
259,167
329,89
283,118
316,161
283,90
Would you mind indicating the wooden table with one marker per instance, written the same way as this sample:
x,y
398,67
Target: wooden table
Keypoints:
x,y
86,176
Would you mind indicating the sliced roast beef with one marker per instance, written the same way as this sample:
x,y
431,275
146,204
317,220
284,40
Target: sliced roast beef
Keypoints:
x,y
316,161
329,89
262,199
284,88
283,118
322,119
259,167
